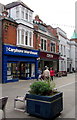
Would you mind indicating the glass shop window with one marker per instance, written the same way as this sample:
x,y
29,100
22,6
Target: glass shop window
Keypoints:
x,y
32,70
12,70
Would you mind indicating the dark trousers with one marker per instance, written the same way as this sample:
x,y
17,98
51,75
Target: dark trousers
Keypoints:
x,y
51,77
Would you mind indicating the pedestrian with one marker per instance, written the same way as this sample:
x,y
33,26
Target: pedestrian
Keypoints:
x,y
46,73
39,72
52,73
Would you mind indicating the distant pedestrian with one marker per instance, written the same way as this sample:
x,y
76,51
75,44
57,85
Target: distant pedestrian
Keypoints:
x,y
46,73
39,72
52,73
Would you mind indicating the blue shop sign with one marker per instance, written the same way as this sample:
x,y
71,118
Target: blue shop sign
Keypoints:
x,y
13,50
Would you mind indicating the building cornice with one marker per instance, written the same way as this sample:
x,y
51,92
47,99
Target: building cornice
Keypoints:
x,y
53,38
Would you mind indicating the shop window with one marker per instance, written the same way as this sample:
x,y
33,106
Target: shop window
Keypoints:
x,y
32,70
61,65
22,70
12,71
25,70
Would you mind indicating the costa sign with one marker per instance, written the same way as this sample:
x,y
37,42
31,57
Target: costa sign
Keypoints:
x,y
49,56
46,55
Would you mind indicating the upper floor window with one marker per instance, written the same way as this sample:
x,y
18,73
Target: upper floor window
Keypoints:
x,y
43,44
17,12
53,47
24,37
30,16
64,51
61,49
30,37
22,12
26,14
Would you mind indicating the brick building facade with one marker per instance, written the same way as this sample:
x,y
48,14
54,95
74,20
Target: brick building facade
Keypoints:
x,y
45,39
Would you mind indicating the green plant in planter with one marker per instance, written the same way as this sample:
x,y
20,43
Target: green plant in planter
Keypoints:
x,y
42,88
43,100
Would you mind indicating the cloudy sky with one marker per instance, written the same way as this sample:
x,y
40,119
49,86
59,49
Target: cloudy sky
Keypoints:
x,y
57,13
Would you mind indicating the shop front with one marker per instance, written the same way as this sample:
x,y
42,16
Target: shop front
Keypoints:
x,y
49,59
19,63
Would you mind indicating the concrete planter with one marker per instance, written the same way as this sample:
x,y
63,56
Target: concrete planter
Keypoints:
x,y
44,106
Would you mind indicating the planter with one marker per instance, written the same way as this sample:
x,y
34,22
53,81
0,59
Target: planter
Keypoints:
x,y
44,106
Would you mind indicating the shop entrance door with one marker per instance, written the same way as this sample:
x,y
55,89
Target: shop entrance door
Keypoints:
x,y
25,70
48,63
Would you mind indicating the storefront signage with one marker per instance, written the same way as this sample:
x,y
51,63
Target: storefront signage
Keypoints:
x,y
20,51
46,55
49,56
12,50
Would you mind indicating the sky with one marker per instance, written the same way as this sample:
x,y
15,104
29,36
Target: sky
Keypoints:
x,y
57,13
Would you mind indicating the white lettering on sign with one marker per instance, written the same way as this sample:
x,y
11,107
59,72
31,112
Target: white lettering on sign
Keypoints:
x,y
20,51
49,55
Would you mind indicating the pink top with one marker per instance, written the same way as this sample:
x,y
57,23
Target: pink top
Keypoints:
x,y
52,72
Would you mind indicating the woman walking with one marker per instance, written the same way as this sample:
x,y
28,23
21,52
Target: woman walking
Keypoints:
x,y
52,73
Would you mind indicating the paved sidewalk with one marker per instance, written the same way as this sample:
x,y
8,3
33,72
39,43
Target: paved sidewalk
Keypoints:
x,y
21,88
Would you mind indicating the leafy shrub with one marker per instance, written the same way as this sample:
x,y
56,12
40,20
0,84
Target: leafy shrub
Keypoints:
x,y
40,88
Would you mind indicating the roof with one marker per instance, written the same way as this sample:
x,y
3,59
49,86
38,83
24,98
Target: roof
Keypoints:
x,y
9,19
74,36
14,4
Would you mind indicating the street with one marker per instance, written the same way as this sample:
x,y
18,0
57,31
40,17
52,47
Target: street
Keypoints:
x,y
64,84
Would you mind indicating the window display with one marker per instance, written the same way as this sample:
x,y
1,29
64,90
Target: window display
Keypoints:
x,y
20,70
27,70
33,70
12,71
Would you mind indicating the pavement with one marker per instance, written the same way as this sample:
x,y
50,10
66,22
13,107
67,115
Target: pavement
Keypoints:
x,y
65,84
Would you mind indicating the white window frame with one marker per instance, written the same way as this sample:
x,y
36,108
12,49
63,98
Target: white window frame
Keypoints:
x,y
22,37
22,12
17,12
61,49
52,48
43,43
30,16
26,13
64,50
19,37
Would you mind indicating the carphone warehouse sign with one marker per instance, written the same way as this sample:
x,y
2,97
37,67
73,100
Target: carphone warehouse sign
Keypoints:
x,y
12,50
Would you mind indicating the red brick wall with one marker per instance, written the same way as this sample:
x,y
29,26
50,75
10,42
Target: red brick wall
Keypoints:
x,y
9,32
48,45
52,30
36,40
57,47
